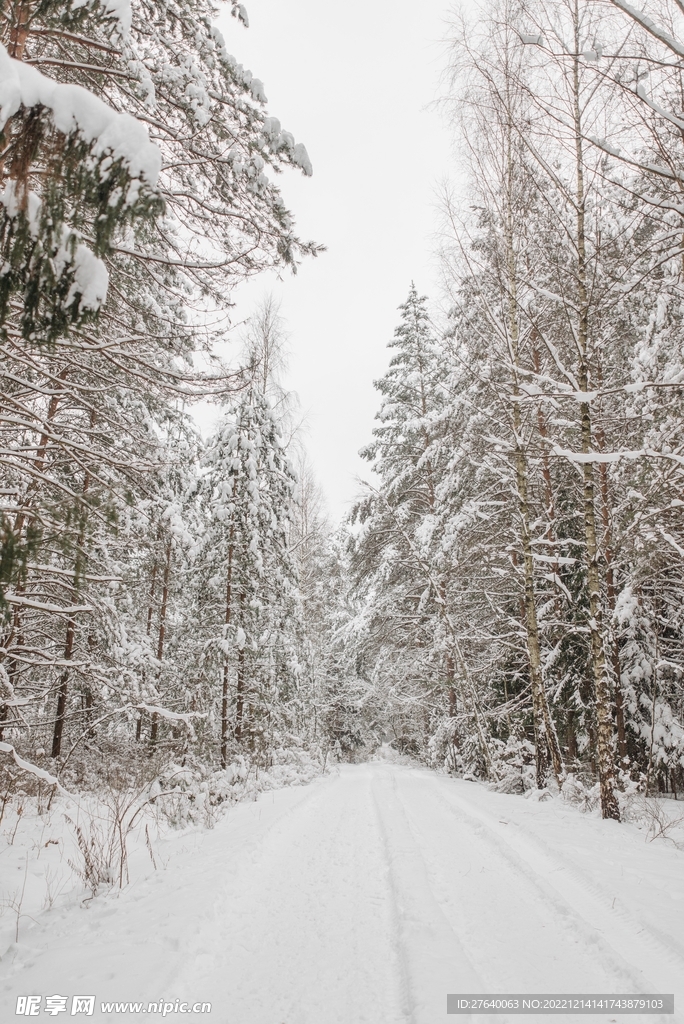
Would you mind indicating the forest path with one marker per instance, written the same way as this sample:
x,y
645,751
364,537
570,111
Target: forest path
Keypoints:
x,y
366,897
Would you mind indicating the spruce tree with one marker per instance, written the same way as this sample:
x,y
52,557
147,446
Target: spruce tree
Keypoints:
x,y
247,493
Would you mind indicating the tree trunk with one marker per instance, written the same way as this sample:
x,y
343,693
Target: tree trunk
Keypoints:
x,y
545,739
572,736
611,596
551,533
154,728
604,718
62,692
63,688
240,706
226,673
451,689
19,29
150,615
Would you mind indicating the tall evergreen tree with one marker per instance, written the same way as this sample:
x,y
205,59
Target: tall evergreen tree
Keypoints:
x,y
248,491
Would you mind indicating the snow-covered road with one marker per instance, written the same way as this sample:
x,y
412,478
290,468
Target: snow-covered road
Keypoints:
x,y
366,897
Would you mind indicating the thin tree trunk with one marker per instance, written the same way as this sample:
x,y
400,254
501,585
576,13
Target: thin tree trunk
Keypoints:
x,y
604,718
551,532
240,706
451,689
63,689
89,704
572,736
226,673
154,728
471,704
62,692
150,601
546,741
88,697
13,635
467,692
611,595
150,615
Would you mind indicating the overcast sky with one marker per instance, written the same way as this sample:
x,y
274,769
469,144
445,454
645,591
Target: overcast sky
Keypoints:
x,y
355,84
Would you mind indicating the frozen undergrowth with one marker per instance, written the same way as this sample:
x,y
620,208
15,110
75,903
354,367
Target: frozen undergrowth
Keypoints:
x,y
56,852
193,793
657,817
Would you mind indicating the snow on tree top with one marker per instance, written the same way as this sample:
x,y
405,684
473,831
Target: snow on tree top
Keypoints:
x,y
120,9
74,109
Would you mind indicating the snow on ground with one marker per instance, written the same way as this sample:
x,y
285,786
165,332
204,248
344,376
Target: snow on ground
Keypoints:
x,y
366,896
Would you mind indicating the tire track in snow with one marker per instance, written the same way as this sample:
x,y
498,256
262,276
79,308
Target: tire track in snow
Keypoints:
x,y
667,946
638,959
303,929
433,959
361,899
617,922
252,845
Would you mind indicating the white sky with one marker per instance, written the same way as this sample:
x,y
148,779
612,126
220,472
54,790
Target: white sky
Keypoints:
x,y
354,84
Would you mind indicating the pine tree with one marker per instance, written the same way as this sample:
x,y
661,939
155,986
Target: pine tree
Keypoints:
x,y
248,490
395,554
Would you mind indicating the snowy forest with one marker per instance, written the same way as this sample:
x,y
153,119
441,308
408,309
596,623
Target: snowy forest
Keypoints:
x,y
505,600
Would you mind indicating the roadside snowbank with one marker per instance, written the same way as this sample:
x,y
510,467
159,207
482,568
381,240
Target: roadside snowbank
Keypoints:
x,y
57,852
